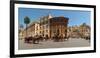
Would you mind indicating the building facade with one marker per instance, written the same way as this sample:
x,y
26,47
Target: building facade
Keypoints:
x,y
45,25
82,30
48,26
58,26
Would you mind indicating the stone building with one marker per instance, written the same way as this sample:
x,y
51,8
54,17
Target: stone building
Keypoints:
x,y
58,26
48,26
82,30
45,25
85,30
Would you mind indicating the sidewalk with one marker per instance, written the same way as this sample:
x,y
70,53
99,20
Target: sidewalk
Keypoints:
x,y
50,44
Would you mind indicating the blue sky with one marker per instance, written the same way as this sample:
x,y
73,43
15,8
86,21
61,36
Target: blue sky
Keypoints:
x,y
76,17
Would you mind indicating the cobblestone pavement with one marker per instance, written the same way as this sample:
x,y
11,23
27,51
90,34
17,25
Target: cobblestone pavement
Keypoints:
x,y
72,42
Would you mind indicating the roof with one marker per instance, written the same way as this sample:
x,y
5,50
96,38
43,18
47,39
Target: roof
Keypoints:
x,y
60,17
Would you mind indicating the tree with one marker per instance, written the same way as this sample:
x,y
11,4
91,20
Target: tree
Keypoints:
x,y
83,25
26,21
